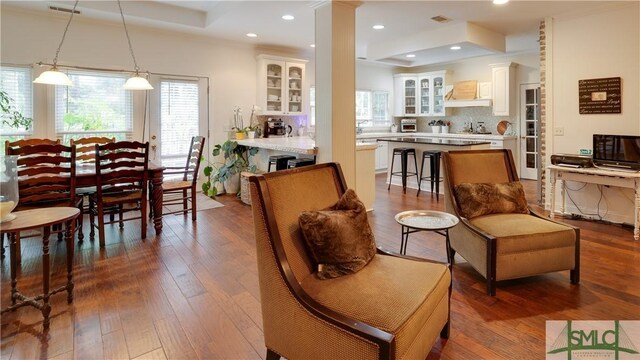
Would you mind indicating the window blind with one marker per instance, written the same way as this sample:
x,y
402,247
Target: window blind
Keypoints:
x,y
16,82
179,117
363,105
96,105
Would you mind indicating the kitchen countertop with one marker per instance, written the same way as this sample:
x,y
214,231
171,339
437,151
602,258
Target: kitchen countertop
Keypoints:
x,y
435,135
431,141
295,144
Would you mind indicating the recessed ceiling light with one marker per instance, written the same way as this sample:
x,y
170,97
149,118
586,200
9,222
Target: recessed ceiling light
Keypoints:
x,y
500,2
288,17
252,35
378,27
411,55
455,47
313,45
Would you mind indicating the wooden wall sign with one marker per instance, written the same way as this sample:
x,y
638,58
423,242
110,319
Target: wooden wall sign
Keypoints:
x,y
600,96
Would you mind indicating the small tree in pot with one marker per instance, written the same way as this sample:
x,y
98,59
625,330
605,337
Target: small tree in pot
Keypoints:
x,y
236,160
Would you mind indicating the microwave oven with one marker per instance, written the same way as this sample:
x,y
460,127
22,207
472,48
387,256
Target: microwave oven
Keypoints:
x,y
408,125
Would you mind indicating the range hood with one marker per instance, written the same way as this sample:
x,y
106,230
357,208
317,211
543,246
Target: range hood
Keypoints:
x,y
467,103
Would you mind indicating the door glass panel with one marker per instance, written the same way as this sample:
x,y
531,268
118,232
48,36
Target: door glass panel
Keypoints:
x,y
424,96
438,94
410,96
179,120
530,96
531,128
531,144
274,87
531,161
531,112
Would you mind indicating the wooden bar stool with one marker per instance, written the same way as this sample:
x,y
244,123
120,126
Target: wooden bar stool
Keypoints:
x,y
280,161
434,171
404,157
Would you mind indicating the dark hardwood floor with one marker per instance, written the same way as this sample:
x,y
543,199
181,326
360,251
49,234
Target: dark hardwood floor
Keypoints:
x,y
193,291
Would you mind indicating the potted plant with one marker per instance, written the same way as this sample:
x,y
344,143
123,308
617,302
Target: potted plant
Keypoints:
x,y
13,118
435,125
236,160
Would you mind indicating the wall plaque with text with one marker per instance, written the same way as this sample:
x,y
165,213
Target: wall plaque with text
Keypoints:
x,y
600,96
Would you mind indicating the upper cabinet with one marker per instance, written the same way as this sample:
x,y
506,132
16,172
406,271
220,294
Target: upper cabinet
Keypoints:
x,y
503,89
420,94
282,85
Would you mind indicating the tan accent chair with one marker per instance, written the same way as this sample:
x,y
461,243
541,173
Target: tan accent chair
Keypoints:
x,y
394,308
505,246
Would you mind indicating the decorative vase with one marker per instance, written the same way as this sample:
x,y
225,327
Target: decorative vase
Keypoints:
x,y
444,129
435,129
239,135
8,187
232,184
251,134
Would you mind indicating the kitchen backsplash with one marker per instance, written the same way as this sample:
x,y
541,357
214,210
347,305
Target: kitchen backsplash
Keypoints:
x,y
459,116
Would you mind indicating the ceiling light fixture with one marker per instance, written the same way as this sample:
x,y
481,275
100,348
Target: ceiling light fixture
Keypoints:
x,y
455,47
378,27
55,77
288,17
411,55
252,35
313,45
500,2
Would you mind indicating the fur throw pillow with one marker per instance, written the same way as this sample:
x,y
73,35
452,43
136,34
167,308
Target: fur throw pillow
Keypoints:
x,y
339,238
482,199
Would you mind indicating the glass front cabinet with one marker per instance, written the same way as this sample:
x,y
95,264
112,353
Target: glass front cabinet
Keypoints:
x,y
282,85
420,94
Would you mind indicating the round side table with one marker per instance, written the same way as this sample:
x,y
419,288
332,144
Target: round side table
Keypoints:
x,y
425,220
33,219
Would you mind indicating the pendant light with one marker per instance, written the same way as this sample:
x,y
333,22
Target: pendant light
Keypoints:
x,y
136,82
53,76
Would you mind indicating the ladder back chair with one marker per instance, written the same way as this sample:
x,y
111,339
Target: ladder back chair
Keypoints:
x,y
184,191
121,172
46,178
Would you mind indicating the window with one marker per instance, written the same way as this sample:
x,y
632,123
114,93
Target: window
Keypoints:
x,y
16,82
372,108
96,105
179,118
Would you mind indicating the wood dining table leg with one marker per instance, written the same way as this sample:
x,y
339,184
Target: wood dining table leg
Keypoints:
x,y
46,307
14,266
156,186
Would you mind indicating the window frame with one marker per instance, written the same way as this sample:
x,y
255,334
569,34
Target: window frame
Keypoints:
x,y
370,122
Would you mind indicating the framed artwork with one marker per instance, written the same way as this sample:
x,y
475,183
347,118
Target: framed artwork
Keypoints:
x,y
600,96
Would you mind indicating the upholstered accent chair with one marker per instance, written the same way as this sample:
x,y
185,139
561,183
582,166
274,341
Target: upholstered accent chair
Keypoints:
x,y
393,308
502,246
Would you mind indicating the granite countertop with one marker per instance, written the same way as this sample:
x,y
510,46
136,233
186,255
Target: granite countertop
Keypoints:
x,y
295,144
432,141
379,135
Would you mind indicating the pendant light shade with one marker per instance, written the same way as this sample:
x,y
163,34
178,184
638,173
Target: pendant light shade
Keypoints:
x,y
53,77
137,82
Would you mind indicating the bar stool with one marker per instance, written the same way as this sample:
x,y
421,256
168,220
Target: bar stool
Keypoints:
x,y
434,171
404,157
296,163
280,161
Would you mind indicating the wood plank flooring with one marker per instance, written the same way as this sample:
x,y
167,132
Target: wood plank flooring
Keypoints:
x,y
192,293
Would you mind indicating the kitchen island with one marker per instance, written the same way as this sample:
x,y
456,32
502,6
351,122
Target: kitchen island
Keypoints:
x,y
421,144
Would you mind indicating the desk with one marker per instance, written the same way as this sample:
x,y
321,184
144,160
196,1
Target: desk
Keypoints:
x,y
630,180
34,219
86,177
425,220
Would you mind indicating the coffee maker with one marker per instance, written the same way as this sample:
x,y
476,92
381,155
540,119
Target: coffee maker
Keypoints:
x,y
275,128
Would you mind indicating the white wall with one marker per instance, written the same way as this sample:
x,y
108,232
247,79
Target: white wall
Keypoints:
x,y
29,37
605,44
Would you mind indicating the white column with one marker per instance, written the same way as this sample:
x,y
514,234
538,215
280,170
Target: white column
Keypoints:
x,y
335,85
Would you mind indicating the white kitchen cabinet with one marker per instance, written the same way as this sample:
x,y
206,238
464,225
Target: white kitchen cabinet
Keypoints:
x,y
405,89
382,158
503,89
282,85
420,94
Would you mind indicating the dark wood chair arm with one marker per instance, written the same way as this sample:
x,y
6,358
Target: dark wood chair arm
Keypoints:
x,y
385,252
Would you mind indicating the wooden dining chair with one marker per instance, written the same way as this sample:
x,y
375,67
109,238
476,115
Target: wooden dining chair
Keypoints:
x,y
183,191
86,152
46,178
121,172
28,142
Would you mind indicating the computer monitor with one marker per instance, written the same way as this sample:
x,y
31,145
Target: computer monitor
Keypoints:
x,y
616,151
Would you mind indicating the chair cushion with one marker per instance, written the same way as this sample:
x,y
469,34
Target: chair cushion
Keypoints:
x,y
393,294
517,233
122,197
340,239
477,199
176,185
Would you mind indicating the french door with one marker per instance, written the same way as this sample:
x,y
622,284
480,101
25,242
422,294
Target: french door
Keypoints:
x,y
529,131
177,112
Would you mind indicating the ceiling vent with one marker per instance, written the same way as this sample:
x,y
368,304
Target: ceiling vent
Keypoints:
x,y
440,19
55,8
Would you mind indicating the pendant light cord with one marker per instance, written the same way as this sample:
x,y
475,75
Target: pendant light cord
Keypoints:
x,y
135,63
64,34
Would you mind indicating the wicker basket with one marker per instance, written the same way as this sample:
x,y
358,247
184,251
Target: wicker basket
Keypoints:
x,y
245,192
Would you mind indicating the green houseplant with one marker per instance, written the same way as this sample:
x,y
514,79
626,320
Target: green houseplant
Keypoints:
x,y
10,115
236,160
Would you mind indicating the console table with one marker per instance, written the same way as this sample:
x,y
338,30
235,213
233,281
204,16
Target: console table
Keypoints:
x,y
599,176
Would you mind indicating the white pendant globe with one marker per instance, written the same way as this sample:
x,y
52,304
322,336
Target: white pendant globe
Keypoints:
x,y
137,83
53,77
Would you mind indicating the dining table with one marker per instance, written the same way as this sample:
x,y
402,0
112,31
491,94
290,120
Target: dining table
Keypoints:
x,y
86,177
